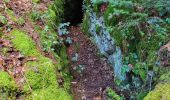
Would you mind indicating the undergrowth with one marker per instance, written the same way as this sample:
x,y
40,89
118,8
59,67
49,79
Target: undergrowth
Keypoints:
x,y
40,74
50,40
140,28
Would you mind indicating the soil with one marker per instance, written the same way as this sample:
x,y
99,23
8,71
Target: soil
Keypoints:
x,y
96,75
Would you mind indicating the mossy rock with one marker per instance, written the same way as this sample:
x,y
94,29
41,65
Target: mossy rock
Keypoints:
x,y
40,74
161,92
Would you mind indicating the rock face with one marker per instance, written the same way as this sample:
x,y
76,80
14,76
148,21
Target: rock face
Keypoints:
x,y
106,44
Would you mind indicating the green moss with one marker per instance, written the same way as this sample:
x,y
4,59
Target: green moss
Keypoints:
x,y
51,18
24,43
40,74
6,81
112,95
35,1
161,92
51,93
85,24
8,88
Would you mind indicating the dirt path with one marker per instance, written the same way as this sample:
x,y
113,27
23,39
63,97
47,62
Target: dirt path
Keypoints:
x,y
91,74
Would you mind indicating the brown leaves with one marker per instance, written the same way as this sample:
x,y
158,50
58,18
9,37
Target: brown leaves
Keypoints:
x,y
1,62
20,6
164,54
167,46
12,61
4,43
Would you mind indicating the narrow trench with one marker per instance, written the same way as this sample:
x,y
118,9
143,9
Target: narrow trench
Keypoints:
x,y
92,75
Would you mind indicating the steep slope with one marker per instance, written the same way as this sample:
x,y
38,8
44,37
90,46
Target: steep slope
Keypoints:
x,y
29,69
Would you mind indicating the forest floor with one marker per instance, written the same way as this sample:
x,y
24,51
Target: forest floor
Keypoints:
x,y
13,61
91,73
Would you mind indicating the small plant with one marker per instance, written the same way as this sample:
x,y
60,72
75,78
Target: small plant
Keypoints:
x,y
112,95
79,68
21,21
36,15
3,20
62,29
75,58
69,40
49,40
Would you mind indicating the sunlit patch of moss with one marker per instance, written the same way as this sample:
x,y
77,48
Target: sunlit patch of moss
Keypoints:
x,y
161,92
24,43
50,93
8,88
85,24
35,1
40,74
6,80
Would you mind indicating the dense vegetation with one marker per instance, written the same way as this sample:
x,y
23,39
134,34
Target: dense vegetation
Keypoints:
x,y
140,28
33,47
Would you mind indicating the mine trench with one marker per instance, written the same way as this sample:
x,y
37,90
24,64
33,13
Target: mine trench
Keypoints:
x,y
92,75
